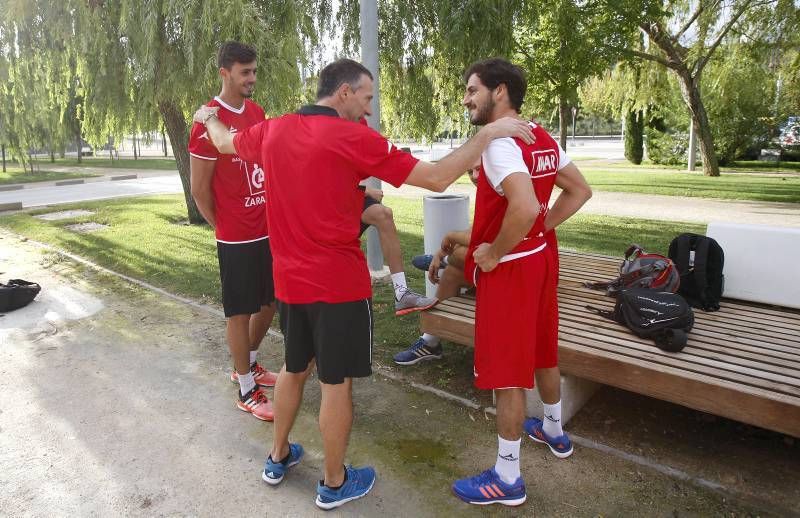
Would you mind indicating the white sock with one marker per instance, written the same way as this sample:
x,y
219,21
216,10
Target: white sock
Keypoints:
x,y
246,382
431,340
551,422
507,465
253,356
399,281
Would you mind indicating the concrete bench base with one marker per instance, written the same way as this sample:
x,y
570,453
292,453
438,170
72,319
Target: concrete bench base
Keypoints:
x,y
575,392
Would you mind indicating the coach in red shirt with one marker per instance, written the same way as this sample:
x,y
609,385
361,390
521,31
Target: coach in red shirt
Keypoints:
x,y
315,159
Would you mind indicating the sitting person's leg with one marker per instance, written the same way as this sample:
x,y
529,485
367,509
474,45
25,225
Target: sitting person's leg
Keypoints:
x,y
380,216
449,280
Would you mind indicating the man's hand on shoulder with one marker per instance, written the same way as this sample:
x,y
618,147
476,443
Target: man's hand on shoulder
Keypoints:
x,y
511,127
204,113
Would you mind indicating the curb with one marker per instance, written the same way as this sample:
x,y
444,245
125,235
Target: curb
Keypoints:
x,y
76,181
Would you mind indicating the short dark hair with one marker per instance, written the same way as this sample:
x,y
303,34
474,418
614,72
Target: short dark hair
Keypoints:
x,y
342,71
232,52
496,71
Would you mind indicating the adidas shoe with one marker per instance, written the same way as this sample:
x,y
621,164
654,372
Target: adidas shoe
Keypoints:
x,y
419,351
561,446
257,403
275,471
412,301
357,483
488,488
262,376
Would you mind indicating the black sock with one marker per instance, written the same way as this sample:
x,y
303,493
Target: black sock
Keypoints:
x,y
284,460
340,485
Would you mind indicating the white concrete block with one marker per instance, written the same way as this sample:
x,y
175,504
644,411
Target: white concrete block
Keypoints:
x,y
760,262
575,392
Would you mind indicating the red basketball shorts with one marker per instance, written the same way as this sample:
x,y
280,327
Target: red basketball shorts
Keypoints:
x,y
516,321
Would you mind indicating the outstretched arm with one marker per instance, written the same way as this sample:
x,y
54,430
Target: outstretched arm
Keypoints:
x,y
437,177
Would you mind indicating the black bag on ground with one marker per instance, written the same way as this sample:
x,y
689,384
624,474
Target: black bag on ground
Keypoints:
x,y
663,316
17,293
699,260
641,270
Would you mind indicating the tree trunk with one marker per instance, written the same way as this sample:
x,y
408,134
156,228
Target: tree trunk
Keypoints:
x,y
690,90
4,158
80,147
563,123
178,132
52,157
634,136
163,141
135,155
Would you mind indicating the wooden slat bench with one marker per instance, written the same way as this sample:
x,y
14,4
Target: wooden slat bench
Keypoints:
x,y
742,362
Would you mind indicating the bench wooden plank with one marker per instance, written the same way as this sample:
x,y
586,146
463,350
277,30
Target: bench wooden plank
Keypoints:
x,y
742,362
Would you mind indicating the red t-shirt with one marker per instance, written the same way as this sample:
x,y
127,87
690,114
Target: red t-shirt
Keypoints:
x,y
239,195
316,161
541,160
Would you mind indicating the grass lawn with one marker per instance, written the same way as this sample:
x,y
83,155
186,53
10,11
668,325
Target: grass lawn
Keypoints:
x,y
148,240
104,162
674,183
17,175
167,164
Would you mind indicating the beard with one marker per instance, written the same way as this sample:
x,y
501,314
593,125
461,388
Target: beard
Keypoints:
x,y
482,113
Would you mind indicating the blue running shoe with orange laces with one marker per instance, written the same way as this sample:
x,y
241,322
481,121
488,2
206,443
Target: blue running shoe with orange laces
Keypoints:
x,y
488,488
561,446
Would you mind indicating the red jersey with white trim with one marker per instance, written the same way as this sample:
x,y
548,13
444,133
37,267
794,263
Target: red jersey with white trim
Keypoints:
x,y
541,160
315,161
239,186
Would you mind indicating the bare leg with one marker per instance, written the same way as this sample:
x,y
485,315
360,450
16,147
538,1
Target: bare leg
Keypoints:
x,y
510,413
239,342
259,324
380,216
286,402
449,283
549,383
335,422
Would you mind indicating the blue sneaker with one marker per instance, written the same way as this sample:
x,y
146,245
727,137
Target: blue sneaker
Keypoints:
x,y
488,488
560,446
358,482
419,351
275,471
422,262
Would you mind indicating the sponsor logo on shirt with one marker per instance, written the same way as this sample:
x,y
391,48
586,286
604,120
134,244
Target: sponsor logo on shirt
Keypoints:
x,y
544,162
254,175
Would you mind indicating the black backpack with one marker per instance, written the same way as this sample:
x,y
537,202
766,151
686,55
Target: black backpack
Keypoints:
x,y
661,315
16,294
699,260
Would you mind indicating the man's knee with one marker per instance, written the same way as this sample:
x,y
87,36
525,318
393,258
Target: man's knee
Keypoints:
x,y
378,215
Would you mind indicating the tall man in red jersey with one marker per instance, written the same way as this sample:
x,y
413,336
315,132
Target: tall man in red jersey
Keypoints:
x,y
230,194
513,260
316,159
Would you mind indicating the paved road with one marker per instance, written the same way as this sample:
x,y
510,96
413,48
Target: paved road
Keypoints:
x,y
36,196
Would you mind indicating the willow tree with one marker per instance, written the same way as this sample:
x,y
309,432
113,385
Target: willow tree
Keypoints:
x,y
119,66
685,35
426,45
158,57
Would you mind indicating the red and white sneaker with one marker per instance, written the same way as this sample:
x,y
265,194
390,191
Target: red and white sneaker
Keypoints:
x,y
261,376
257,403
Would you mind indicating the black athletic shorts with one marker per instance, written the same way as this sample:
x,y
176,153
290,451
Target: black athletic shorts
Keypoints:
x,y
369,201
245,270
338,336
